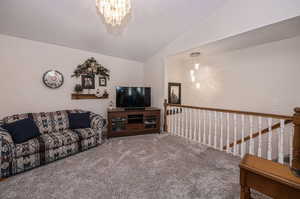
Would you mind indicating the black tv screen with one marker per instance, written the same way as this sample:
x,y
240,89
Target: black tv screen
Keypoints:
x,y
133,97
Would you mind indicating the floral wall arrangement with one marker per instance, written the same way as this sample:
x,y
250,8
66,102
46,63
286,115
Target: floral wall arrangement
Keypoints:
x,y
91,67
89,72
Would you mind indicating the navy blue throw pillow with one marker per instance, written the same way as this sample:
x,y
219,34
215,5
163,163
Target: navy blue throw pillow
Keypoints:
x,y
22,130
79,120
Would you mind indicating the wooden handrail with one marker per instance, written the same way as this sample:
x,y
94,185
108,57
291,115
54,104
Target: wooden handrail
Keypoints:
x,y
286,117
264,131
270,178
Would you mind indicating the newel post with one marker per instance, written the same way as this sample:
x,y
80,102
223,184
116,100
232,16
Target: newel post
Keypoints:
x,y
165,116
296,143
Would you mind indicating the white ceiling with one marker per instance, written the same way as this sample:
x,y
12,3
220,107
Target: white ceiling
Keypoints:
x,y
275,32
75,24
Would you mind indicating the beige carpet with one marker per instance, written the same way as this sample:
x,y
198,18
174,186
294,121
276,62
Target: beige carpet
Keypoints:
x,y
149,166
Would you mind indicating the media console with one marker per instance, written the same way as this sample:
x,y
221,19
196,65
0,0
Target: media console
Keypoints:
x,y
123,122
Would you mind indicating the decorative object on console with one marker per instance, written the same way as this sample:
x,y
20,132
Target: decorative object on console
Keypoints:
x,y
53,79
88,81
174,93
111,105
102,81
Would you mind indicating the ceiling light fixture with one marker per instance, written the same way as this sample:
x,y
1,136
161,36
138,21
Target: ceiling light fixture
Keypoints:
x,y
114,11
195,54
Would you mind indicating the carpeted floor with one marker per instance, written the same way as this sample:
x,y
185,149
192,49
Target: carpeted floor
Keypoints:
x,y
148,166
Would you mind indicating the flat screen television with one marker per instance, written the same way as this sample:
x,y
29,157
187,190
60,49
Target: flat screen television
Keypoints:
x,y
133,97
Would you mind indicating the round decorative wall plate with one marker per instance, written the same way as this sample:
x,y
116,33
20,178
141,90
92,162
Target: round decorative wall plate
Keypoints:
x,y
53,79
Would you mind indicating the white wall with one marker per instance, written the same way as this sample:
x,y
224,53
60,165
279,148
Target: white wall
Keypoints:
x,y
263,78
23,62
233,18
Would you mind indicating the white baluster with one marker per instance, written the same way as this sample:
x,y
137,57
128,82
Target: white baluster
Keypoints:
x,y
181,122
221,129
191,124
235,135
209,128
169,120
243,137
199,126
259,137
215,136
185,122
178,121
227,143
291,146
175,121
195,124
270,139
251,145
204,127
280,149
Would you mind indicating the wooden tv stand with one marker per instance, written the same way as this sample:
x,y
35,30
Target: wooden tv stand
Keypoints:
x,y
123,122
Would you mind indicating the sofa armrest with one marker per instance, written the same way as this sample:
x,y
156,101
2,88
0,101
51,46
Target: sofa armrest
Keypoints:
x,y
7,148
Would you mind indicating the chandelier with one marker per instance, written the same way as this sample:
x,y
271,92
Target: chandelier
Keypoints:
x,y
114,11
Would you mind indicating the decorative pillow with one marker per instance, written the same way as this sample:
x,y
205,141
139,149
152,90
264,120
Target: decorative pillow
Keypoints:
x,y
79,120
22,130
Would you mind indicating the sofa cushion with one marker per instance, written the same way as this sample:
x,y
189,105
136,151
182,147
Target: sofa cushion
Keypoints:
x,y
22,130
51,121
46,142
85,133
79,120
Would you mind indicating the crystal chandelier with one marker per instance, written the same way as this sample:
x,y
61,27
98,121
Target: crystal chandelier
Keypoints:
x,y
114,11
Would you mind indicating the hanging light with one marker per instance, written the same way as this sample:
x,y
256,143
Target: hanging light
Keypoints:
x,y
114,11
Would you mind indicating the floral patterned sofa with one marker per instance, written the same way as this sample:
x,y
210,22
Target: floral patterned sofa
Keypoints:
x,y
55,142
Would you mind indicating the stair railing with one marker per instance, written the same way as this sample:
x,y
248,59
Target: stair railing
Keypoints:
x,y
270,136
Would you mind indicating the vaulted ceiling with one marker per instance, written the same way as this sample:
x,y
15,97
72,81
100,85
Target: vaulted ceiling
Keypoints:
x,y
76,24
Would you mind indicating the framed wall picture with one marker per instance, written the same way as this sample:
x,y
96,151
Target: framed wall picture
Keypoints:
x,y
174,93
102,81
88,81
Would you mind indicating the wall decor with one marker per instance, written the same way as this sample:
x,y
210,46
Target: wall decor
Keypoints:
x,y
174,93
78,88
53,79
102,81
88,71
91,67
88,81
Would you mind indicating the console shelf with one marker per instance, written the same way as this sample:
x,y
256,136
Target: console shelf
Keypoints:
x,y
123,122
